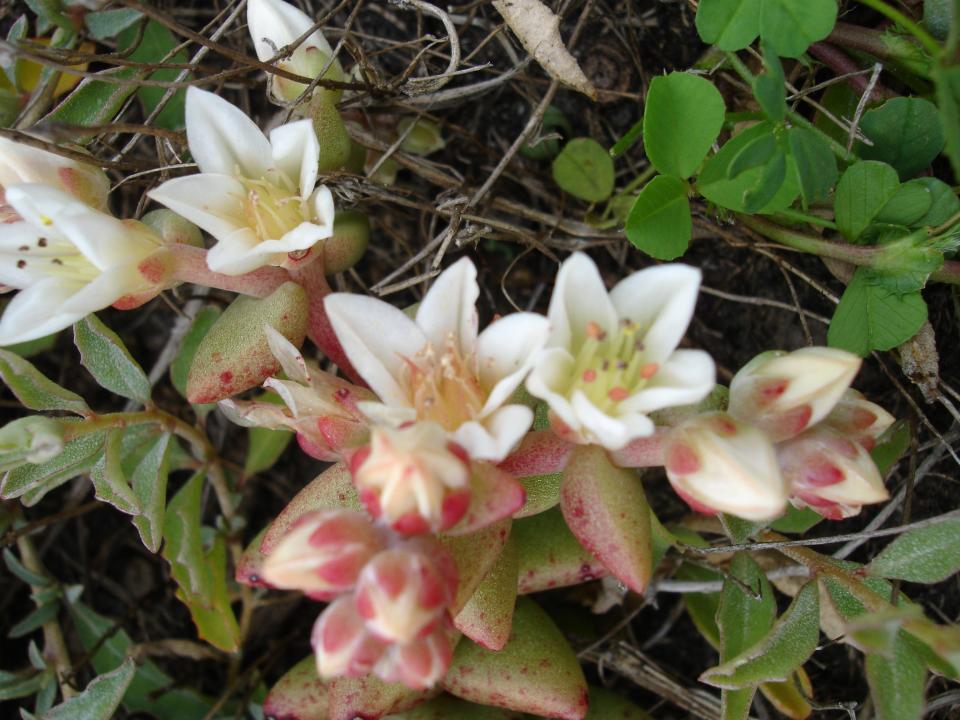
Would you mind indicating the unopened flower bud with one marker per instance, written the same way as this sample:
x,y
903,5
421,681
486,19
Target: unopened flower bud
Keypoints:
x,y
403,592
172,228
717,464
785,393
34,439
420,663
341,642
323,553
414,478
830,473
859,419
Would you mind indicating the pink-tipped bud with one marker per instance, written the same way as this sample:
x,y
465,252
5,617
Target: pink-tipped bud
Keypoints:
x,y
717,464
403,592
413,478
832,474
859,419
420,663
323,553
341,642
785,393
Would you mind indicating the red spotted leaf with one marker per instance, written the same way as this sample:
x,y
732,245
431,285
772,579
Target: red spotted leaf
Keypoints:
x,y
536,672
488,615
298,695
475,555
549,556
496,495
607,511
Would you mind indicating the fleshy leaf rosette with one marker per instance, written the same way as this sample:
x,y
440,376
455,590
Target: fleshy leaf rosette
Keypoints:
x,y
612,358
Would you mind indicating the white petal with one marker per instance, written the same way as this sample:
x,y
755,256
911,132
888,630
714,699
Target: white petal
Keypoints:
x,y
40,204
14,236
549,379
20,163
213,202
380,414
660,300
273,24
378,340
499,433
611,432
506,350
687,377
579,297
323,209
39,310
450,307
296,153
222,138
291,360
104,241
236,253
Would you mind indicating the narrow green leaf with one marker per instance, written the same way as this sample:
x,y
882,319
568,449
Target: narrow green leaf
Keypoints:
x,y
180,367
745,615
101,698
659,222
183,544
34,389
149,481
107,23
212,614
103,353
815,163
17,569
906,133
35,619
786,647
18,686
872,317
110,483
584,169
95,101
265,448
897,683
791,27
926,555
155,45
151,692
682,119
32,482
628,140
862,192
729,24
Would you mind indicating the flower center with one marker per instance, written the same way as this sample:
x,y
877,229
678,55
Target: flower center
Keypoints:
x,y
444,387
611,367
52,257
272,207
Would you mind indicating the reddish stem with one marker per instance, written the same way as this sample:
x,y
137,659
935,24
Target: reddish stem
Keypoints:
x,y
309,273
190,265
842,64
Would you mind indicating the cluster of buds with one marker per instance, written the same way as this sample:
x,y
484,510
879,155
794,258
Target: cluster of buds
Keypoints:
x,y
794,431
389,614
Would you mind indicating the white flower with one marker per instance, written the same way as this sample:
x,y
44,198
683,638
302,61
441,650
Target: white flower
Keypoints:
x,y
273,25
612,357
257,197
70,260
437,367
20,163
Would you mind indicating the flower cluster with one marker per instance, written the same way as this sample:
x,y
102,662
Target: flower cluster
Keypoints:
x,y
794,430
391,595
